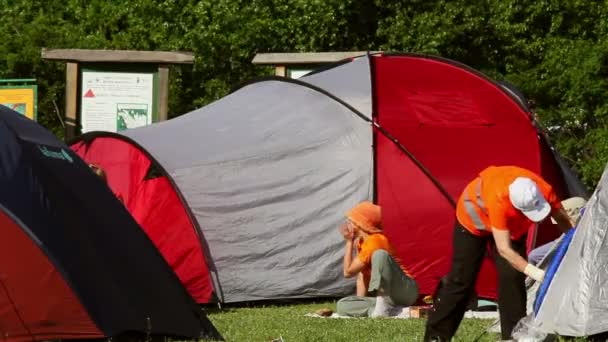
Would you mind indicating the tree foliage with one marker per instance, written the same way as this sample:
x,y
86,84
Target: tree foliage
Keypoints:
x,y
554,51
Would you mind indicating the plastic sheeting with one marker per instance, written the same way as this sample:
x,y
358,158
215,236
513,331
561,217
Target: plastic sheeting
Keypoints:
x,y
576,302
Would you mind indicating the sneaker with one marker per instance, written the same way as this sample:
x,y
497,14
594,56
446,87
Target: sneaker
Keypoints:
x,y
384,307
438,339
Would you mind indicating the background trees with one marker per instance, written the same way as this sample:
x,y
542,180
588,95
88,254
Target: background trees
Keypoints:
x,y
556,52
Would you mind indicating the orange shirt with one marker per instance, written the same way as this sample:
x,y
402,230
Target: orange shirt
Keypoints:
x,y
494,192
367,247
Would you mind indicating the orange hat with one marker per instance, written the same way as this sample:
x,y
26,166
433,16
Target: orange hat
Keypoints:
x,y
367,216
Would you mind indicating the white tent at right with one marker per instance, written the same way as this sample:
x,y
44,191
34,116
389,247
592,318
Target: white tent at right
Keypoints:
x,y
576,300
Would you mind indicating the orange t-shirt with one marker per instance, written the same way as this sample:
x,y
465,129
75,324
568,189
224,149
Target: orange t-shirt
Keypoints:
x,y
367,247
500,213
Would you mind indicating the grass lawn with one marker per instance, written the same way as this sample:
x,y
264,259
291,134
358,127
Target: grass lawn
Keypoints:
x,y
265,323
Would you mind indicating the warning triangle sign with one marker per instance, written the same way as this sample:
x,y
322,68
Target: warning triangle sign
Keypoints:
x,y
89,93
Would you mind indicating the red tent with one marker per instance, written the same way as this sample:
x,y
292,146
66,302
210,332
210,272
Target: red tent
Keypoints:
x,y
453,122
155,204
407,131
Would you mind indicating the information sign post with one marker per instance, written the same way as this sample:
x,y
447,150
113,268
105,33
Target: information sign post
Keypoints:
x,y
115,90
20,95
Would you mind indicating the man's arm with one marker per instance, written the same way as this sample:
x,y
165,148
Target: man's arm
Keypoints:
x,y
503,246
502,239
564,222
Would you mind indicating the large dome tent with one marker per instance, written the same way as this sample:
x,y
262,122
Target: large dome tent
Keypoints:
x,y
265,174
73,262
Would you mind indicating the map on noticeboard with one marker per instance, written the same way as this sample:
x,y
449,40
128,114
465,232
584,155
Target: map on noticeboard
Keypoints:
x,y
116,101
129,115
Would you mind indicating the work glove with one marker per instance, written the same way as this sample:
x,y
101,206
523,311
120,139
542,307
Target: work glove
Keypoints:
x,y
534,272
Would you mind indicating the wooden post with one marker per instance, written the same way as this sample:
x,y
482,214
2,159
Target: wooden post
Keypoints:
x,y
71,100
163,92
280,70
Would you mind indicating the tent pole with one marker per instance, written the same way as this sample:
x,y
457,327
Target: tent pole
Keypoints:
x,y
422,168
534,235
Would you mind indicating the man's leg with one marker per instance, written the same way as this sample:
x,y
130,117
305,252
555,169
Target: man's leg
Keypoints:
x,y
355,306
537,254
387,276
511,291
450,305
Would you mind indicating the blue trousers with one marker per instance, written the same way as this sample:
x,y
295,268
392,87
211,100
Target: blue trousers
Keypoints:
x,y
537,254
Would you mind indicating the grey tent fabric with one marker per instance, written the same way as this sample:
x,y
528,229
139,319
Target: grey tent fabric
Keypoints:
x,y
261,177
351,82
576,302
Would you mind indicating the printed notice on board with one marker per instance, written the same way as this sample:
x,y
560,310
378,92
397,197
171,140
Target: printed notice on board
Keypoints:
x,y
114,101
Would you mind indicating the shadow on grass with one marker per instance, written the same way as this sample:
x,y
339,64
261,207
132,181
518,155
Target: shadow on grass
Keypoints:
x,y
231,307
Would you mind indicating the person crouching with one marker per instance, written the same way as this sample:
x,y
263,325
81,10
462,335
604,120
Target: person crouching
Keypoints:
x,y
382,281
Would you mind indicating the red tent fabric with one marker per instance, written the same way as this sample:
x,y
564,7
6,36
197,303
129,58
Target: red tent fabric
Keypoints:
x,y
155,205
455,122
37,306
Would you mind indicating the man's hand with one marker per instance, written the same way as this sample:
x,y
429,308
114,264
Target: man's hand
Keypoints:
x,y
534,272
563,220
502,238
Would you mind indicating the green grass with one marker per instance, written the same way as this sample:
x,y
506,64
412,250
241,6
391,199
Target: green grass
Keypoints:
x,y
265,323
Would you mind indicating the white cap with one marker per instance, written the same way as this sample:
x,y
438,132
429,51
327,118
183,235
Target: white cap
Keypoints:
x,y
527,198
